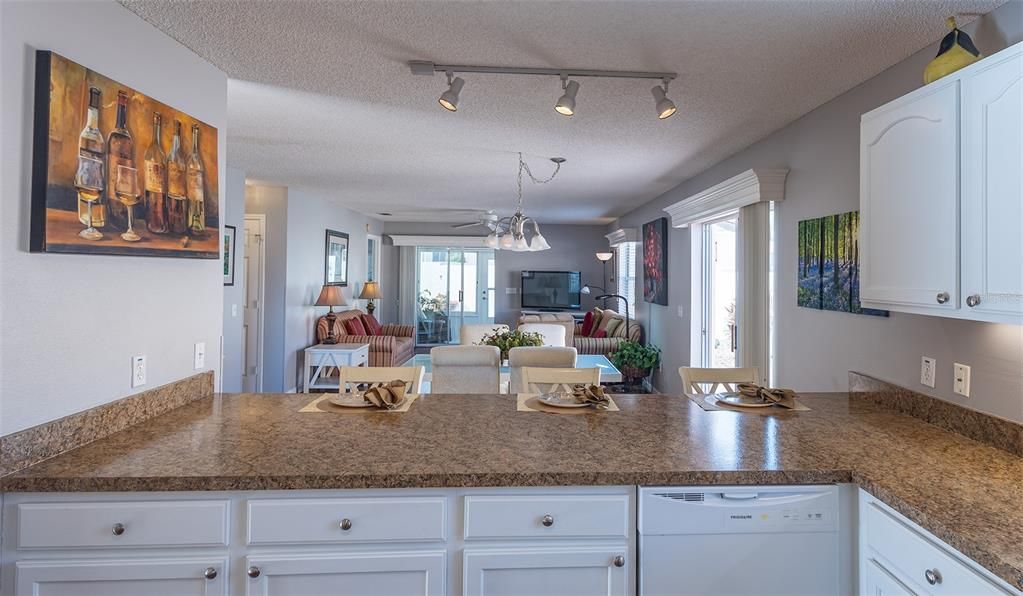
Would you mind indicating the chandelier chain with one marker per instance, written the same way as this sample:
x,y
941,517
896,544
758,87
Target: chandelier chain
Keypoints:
x,y
523,166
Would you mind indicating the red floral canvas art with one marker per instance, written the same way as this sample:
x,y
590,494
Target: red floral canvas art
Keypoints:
x,y
655,261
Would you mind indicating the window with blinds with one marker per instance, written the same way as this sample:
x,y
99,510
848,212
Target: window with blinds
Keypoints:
x,y
625,273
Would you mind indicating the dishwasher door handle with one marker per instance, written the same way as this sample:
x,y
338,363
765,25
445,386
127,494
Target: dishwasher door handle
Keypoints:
x,y
739,496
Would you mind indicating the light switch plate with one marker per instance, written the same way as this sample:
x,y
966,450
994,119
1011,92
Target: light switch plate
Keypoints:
x,y
234,310
961,379
200,355
511,290
138,371
927,366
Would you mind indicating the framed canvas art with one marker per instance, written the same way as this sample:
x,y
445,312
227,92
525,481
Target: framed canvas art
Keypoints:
x,y
655,261
829,264
335,259
115,172
229,234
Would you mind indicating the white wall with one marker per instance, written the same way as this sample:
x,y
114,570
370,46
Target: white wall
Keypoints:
x,y
69,324
232,212
816,349
272,202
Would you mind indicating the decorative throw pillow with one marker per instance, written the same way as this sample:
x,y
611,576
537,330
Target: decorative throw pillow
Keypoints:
x,y
588,324
355,327
621,330
599,333
373,327
597,315
612,325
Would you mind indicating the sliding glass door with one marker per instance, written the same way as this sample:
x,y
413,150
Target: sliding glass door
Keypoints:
x,y
454,286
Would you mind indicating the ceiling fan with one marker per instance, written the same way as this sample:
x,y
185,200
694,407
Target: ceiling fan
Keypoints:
x,y
486,218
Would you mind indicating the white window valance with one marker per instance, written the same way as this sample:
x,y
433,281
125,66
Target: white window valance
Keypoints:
x,y
438,241
622,235
752,186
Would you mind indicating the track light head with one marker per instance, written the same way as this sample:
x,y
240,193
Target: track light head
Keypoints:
x,y
449,99
664,106
566,103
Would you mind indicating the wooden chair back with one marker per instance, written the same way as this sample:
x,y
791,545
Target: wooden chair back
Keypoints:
x,y
352,376
705,381
547,380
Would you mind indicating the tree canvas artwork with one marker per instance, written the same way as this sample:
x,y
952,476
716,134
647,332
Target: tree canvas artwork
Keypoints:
x,y
655,261
829,264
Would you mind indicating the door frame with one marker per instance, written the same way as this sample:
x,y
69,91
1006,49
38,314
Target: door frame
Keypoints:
x,y
260,218
705,284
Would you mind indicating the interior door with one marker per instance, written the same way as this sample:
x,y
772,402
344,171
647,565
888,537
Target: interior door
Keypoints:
x,y
252,325
720,278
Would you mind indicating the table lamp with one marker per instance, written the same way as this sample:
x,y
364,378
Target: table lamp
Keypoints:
x,y
330,296
370,292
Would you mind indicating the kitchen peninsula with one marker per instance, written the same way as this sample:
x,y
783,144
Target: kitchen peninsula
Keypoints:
x,y
459,473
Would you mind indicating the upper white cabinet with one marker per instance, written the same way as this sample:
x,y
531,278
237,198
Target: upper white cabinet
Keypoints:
x,y
941,196
992,186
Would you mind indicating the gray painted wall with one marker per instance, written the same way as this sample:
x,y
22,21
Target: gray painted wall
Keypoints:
x,y
816,349
233,213
70,324
572,249
272,202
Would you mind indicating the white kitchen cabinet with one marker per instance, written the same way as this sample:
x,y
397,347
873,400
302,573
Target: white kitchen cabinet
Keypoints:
x,y
992,213
554,571
407,573
909,200
941,196
122,577
878,582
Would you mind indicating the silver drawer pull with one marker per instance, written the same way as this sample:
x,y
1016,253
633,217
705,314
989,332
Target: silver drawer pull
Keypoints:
x,y
118,529
547,521
973,300
619,561
942,297
346,524
253,572
933,576
210,573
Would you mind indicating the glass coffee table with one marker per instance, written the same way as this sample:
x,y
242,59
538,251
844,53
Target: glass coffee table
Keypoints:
x,y
608,372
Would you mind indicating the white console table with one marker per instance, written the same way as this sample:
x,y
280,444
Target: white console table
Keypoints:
x,y
324,356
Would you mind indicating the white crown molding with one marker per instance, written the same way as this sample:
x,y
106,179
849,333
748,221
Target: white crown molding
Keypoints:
x,y
622,235
438,241
752,186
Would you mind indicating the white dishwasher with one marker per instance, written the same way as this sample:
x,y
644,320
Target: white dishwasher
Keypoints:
x,y
729,540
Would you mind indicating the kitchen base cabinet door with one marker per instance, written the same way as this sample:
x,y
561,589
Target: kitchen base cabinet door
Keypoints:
x,y
878,582
545,571
363,574
122,577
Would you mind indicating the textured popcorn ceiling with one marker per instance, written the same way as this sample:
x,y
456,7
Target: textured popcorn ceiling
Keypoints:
x,y
321,95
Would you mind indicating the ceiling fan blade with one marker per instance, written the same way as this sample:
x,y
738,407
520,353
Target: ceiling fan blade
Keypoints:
x,y
466,225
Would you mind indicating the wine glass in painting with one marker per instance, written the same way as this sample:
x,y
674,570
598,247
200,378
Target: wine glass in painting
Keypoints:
x,y
127,192
89,183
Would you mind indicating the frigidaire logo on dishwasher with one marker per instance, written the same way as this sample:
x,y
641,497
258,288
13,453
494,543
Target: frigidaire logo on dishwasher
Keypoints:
x,y
745,516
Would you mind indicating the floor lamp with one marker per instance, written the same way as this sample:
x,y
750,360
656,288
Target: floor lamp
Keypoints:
x,y
604,257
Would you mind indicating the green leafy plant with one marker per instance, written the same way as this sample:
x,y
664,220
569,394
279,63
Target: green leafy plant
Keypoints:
x,y
506,340
634,359
432,306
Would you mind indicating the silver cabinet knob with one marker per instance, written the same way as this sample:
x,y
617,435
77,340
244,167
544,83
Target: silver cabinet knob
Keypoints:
x,y
619,561
973,300
346,524
210,573
118,529
933,576
253,572
547,521
942,297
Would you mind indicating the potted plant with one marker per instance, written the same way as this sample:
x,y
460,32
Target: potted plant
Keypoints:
x,y
635,360
506,340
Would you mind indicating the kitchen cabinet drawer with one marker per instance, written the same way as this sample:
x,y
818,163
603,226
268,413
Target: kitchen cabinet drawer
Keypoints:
x,y
291,521
911,557
122,524
547,516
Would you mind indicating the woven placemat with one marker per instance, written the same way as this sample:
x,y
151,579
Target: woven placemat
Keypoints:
x,y
322,404
529,402
709,403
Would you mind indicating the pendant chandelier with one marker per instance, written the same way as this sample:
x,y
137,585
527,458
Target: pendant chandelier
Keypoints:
x,y
509,233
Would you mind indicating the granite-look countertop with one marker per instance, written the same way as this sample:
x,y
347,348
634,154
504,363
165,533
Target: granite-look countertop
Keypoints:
x,y
967,493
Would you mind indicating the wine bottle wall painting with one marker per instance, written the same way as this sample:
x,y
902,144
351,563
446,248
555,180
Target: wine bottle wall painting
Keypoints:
x,y
116,172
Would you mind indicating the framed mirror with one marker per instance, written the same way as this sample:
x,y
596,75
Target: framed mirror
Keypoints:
x,y
335,259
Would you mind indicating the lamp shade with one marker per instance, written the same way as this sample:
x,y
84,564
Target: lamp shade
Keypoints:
x,y
331,296
370,291
604,257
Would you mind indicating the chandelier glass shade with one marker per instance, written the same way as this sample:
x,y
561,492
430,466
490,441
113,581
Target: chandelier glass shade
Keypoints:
x,y
510,233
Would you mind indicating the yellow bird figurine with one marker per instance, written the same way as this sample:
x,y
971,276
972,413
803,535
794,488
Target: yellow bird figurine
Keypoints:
x,y
956,51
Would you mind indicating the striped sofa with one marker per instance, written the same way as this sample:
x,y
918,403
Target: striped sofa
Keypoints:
x,y
394,347
588,345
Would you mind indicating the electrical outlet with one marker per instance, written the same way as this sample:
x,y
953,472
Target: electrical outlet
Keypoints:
x,y
681,311
200,355
927,367
138,371
961,383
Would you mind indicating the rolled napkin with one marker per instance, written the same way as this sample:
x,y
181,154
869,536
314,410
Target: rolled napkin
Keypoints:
x,y
386,395
785,398
591,394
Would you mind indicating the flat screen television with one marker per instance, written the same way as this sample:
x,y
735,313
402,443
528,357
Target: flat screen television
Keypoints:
x,y
553,290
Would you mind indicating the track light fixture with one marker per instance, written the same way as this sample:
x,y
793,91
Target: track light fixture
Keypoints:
x,y
449,99
566,103
664,106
